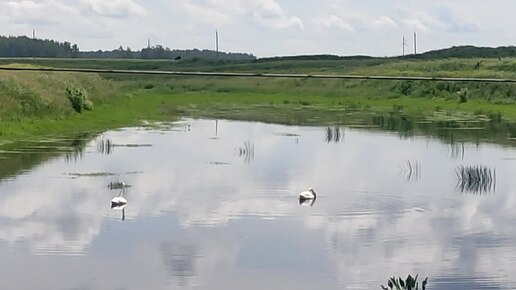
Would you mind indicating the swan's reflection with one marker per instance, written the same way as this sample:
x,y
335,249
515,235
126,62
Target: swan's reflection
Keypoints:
x,y
306,202
120,207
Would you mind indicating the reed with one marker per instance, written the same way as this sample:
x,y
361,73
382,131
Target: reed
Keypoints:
x,y
105,146
413,170
117,185
335,134
457,150
475,179
246,151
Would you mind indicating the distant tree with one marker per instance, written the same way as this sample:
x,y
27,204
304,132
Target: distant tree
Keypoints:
x,y
23,46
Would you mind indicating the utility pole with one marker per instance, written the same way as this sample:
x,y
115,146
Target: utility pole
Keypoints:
x,y
217,42
33,33
415,43
404,44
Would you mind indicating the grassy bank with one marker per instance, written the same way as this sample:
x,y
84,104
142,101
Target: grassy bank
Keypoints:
x,y
113,112
36,103
38,94
453,67
210,95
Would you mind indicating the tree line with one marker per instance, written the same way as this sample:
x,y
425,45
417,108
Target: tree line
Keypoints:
x,y
22,46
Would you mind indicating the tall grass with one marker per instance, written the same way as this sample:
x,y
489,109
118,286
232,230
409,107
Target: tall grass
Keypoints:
x,y
41,94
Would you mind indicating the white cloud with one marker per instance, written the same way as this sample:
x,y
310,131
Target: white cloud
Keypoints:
x,y
211,15
385,21
250,25
334,21
37,13
267,12
416,24
268,9
115,8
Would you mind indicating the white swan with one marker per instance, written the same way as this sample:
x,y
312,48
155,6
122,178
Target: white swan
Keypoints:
x,y
308,195
118,202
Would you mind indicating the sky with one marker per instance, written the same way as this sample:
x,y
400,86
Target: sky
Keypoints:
x,y
266,27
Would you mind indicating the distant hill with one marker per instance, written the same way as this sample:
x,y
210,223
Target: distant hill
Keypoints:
x,y
317,57
22,46
468,51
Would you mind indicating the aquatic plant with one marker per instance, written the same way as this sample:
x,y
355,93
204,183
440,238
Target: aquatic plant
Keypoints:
x,y
408,284
475,179
118,185
413,170
247,151
457,150
335,134
105,146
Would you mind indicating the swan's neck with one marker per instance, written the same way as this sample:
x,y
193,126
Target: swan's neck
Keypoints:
x,y
313,192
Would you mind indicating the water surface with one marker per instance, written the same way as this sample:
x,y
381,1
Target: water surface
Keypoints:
x,y
212,205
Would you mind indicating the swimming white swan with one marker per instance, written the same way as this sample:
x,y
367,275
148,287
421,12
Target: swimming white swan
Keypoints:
x,y
118,201
308,195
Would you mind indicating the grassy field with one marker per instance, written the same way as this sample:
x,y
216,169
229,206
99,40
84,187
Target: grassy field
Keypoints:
x,y
493,67
33,102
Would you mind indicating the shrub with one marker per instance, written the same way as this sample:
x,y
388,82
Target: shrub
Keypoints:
x,y
495,116
79,99
463,95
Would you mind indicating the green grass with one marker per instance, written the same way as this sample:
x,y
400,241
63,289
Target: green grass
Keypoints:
x,y
453,67
36,103
122,110
39,94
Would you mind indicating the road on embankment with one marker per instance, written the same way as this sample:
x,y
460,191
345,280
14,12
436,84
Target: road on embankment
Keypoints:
x,y
261,75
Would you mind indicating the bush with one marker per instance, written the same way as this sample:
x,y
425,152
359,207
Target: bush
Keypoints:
x,y
463,96
79,99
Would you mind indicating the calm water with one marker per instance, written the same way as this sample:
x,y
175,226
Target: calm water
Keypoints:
x,y
213,205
